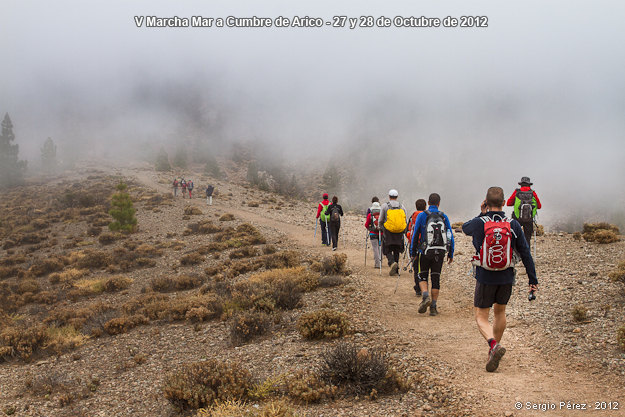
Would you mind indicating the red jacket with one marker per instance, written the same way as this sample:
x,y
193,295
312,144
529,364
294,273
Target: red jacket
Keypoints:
x,y
513,196
325,202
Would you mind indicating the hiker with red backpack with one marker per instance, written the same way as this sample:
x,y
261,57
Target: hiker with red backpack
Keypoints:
x,y
420,207
432,239
525,203
190,187
334,211
372,225
323,217
495,237
393,224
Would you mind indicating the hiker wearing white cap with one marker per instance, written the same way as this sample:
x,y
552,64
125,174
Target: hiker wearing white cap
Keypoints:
x,y
393,224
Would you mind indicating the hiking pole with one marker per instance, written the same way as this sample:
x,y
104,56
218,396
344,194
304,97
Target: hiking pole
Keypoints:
x,y
535,227
398,275
366,247
380,250
315,235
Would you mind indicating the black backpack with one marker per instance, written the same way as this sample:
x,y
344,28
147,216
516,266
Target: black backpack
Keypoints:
x,y
335,214
436,234
526,205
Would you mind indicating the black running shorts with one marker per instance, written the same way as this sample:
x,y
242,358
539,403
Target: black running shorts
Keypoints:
x,y
431,265
488,294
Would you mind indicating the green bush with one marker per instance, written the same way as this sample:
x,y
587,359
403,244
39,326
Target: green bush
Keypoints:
x,y
202,384
322,324
122,211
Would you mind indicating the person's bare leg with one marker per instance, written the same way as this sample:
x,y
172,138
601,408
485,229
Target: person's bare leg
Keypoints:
x,y
499,321
434,294
481,317
423,285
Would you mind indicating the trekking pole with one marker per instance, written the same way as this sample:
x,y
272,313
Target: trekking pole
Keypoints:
x,y
315,235
380,249
366,247
398,276
535,227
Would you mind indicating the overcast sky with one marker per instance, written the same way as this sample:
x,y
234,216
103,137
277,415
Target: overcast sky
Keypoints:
x,y
539,92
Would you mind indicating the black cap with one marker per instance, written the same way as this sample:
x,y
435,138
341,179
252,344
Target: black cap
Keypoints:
x,y
525,181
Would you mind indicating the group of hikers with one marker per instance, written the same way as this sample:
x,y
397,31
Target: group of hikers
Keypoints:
x,y
499,243
187,186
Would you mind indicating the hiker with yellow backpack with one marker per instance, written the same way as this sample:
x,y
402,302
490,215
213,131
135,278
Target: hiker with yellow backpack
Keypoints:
x,y
393,223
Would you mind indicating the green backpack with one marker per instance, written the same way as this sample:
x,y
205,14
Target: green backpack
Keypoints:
x,y
324,216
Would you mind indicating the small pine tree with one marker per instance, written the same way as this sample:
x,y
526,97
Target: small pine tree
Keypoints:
x,y
180,159
122,211
162,161
48,157
252,173
332,179
11,168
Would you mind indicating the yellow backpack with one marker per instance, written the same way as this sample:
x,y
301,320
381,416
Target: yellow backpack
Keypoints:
x,y
395,220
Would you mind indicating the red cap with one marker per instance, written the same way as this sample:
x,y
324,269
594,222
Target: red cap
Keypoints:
x,y
325,195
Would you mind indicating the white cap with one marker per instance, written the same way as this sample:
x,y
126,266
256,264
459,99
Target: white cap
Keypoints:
x,y
393,193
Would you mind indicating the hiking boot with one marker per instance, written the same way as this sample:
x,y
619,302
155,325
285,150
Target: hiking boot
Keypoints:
x,y
417,290
494,356
433,311
423,307
394,269
378,266
333,249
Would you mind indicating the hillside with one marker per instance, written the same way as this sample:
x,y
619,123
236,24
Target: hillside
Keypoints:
x,y
98,322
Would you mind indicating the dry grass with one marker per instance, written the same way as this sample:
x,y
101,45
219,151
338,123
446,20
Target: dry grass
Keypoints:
x,y
619,273
322,324
192,211
228,217
601,233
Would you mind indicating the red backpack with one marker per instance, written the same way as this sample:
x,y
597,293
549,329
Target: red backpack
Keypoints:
x,y
496,251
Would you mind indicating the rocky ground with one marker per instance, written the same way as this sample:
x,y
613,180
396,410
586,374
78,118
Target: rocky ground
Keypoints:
x,y
551,357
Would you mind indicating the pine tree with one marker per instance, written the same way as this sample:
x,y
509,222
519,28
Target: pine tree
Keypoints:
x,y
11,168
212,167
122,211
252,173
332,179
48,157
162,161
180,159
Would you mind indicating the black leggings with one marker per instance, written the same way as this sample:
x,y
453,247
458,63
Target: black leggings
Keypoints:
x,y
528,230
334,233
432,265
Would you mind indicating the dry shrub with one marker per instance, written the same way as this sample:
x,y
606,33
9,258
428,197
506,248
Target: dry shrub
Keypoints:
x,y
540,230
94,231
179,283
335,265
247,325
8,271
304,279
457,226
269,249
192,258
21,342
108,238
204,383
329,281
322,324
117,283
148,251
228,217
192,211
231,408
93,259
579,312
121,325
577,236
203,227
307,387
67,275
62,339
277,408
360,371
246,252
27,286
76,317
283,259
620,338
253,204
12,260
601,233
619,273
46,266
161,307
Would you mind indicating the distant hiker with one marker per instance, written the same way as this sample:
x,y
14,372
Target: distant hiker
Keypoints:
x,y
176,184
525,202
373,226
432,238
324,218
209,194
190,187
335,211
183,184
393,224
494,238
420,207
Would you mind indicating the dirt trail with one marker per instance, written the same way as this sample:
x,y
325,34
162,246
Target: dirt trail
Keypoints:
x,y
525,374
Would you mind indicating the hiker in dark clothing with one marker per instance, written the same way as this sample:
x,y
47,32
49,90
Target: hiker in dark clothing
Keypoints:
x,y
525,202
420,206
393,223
176,184
335,211
209,194
492,232
183,184
324,217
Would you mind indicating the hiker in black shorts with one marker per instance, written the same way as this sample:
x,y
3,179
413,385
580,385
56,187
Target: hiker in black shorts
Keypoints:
x,y
494,238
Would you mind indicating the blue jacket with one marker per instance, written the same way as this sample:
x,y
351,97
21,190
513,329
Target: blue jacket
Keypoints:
x,y
420,232
475,228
